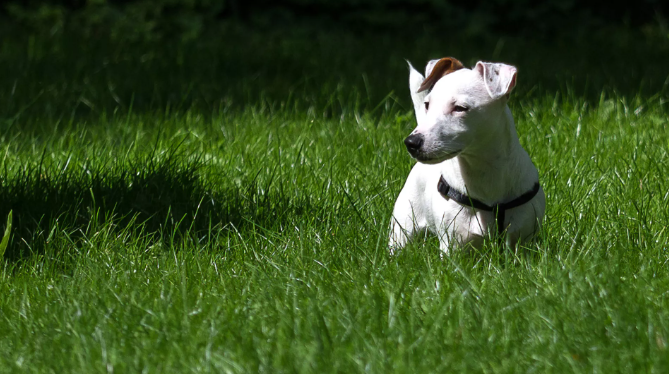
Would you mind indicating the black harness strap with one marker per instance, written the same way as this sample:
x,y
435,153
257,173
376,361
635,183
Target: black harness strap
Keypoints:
x,y
499,209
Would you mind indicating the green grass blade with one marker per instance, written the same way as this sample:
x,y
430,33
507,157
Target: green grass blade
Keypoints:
x,y
5,237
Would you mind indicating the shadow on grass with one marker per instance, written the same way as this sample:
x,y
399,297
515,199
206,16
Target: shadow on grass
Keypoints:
x,y
162,196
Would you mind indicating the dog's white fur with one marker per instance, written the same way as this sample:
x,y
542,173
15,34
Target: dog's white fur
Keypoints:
x,y
477,151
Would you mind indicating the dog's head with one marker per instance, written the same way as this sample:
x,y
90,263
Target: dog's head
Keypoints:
x,y
455,106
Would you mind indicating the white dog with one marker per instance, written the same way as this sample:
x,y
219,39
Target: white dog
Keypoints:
x,y
473,178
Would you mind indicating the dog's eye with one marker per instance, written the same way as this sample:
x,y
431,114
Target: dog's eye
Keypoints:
x,y
427,105
459,108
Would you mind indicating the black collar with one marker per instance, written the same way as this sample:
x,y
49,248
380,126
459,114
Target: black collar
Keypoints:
x,y
499,209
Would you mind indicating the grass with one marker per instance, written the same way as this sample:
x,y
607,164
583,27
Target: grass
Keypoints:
x,y
208,211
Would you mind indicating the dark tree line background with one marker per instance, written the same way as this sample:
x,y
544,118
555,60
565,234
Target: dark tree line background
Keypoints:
x,y
511,17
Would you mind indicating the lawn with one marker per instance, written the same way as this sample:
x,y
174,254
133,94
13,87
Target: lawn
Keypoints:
x,y
221,204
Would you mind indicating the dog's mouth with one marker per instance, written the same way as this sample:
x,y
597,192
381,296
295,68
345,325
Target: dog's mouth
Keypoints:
x,y
436,160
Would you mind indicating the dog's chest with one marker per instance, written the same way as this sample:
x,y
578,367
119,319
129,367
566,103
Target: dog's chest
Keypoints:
x,y
459,222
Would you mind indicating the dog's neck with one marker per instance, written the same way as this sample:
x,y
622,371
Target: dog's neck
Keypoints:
x,y
497,170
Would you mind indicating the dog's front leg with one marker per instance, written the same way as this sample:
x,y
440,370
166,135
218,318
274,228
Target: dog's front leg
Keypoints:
x,y
399,236
445,235
404,223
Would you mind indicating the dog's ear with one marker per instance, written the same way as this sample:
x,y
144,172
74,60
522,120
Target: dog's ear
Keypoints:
x,y
415,80
430,66
499,79
436,69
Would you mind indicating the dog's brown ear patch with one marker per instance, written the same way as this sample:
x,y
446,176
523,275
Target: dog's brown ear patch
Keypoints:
x,y
444,66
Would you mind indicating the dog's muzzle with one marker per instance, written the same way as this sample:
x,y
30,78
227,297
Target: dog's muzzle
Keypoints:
x,y
413,143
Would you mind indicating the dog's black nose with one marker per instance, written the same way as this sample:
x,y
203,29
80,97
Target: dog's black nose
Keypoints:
x,y
413,143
